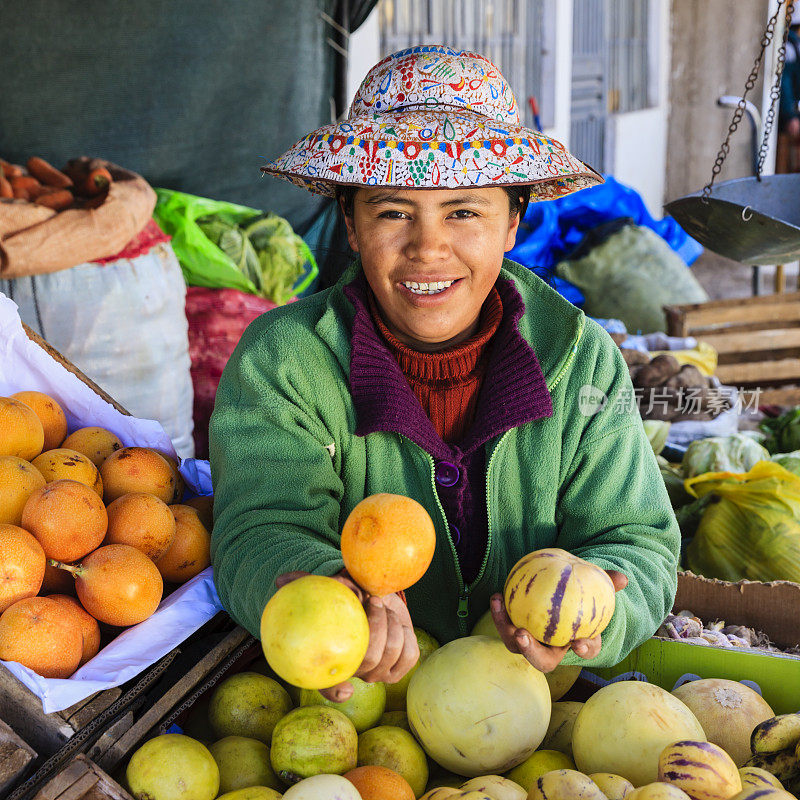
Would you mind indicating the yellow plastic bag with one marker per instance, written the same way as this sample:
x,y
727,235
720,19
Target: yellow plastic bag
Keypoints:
x,y
704,357
753,531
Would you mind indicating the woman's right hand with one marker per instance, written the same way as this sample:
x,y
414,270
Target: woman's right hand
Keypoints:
x,y
392,649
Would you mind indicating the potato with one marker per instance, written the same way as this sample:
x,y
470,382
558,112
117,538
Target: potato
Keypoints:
x,y
634,357
688,377
657,372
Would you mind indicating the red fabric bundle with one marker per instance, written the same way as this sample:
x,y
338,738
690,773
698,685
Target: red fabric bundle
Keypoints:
x,y
217,319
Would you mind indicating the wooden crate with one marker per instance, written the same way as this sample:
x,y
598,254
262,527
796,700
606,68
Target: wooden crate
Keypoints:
x,y
757,339
82,779
170,700
17,758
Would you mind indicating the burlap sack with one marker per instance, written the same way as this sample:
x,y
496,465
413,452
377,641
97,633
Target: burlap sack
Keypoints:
x,y
35,240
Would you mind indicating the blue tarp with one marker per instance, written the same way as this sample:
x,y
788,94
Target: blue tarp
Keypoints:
x,y
551,230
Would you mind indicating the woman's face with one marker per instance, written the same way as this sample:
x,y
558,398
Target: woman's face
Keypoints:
x,y
431,257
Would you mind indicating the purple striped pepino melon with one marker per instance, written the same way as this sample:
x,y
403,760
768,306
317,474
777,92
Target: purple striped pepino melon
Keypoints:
x,y
558,597
702,769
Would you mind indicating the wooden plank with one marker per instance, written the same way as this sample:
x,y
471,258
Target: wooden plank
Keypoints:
x,y
710,318
760,372
779,339
46,732
764,299
783,396
81,714
82,779
119,749
16,758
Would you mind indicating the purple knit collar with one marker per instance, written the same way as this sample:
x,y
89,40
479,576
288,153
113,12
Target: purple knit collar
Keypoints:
x,y
513,392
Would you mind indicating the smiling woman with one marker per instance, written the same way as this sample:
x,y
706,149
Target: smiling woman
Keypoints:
x,y
439,370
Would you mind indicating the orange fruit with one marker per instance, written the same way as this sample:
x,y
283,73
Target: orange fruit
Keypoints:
x,y
97,444
21,565
68,519
21,431
51,415
142,521
387,543
137,469
180,485
19,479
380,783
118,584
40,634
65,464
190,551
90,630
204,506
57,581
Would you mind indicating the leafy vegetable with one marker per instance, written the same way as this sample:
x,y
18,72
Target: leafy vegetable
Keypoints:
x,y
783,432
790,461
656,431
734,453
265,250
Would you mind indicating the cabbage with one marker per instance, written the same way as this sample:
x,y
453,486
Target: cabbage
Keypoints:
x,y
656,431
790,461
783,432
734,453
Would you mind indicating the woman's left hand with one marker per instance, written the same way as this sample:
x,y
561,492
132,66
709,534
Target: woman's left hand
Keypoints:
x,y
545,657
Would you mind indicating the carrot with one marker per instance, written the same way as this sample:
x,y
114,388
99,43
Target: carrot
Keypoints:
x,y
5,187
97,181
56,200
25,182
10,170
47,173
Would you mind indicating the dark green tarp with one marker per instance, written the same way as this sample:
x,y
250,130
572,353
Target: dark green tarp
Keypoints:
x,y
192,94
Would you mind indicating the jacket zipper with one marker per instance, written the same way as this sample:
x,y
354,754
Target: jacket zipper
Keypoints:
x,y
463,590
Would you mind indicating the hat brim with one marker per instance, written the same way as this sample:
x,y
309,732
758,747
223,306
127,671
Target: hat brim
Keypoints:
x,y
432,149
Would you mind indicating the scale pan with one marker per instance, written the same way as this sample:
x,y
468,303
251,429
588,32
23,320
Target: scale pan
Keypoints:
x,y
751,221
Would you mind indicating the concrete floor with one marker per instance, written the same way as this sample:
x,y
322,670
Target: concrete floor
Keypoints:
x,y
723,278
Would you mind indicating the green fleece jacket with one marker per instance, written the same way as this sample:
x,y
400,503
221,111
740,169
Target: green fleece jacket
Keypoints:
x,y
287,469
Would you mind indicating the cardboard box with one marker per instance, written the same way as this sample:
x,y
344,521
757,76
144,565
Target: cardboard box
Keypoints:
x,y
773,608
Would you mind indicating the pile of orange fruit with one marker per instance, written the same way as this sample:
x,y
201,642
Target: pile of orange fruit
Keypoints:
x,y
90,532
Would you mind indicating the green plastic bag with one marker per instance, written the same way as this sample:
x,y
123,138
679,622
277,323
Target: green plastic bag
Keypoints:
x,y
222,245
751,528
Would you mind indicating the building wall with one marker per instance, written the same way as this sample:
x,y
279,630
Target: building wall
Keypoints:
x,y
713,44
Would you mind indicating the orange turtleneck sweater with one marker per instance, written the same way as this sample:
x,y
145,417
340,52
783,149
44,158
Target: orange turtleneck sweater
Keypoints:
x,y
447,384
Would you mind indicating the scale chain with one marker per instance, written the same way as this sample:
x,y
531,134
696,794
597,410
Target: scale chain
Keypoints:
x,y
725,148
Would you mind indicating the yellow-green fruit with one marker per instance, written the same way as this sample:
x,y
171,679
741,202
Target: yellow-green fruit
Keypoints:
x,y
702,769
757,778
623,727
323,787
728,712
614,787
658,791
564,784
776,734
572,598
783,765
559,731
396,692
561,680
542,761
441,793
364,707
314,632
496,786
477,708
247,704
243,762
396,749
173,767
752,793
313,740
252,793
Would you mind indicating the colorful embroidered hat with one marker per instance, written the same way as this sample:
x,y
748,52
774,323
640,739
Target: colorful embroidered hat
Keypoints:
x,y
432,117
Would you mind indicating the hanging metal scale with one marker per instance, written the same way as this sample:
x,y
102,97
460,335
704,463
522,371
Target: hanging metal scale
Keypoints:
x,y
754,220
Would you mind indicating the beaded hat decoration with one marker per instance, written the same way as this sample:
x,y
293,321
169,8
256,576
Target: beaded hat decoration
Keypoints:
x,y
432,117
